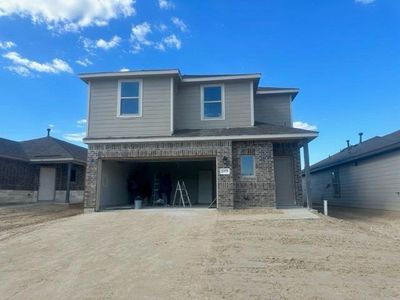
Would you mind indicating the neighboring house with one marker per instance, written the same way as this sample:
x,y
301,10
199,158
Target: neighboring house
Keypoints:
x,y
231,141
44,169
366,175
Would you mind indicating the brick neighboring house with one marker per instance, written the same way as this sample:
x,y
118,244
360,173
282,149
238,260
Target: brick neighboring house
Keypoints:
x,y
229,139
38,169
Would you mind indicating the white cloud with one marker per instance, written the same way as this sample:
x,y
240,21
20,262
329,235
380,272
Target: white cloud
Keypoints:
x,y
51,126
55,66
64,15
159,46
365,1
139,36
89,44
124,70
172,41
110,44
7,45
165,4
20,70
180,24
161,27
140,39
74,137
140,32
81,122
304,125
84,62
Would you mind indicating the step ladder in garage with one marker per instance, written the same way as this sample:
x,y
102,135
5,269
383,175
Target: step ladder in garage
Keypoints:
x,y
182,194
156,187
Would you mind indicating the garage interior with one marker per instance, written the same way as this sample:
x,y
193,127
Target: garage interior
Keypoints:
x,y
147,176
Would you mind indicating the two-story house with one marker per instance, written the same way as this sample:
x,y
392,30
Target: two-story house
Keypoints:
x,y
228,139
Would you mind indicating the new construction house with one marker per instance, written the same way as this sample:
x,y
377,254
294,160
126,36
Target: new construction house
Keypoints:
x,y
228,139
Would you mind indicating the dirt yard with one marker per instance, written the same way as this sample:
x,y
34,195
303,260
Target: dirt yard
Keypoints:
x,y
16,219
202,254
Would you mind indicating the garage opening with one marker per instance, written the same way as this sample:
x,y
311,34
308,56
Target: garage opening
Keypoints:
x,y
155,182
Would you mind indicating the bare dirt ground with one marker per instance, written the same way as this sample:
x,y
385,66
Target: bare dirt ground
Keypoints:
x,y
202,254
15,219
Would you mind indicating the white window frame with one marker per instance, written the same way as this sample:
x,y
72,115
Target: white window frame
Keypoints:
x,y
254,166
222,117
138,115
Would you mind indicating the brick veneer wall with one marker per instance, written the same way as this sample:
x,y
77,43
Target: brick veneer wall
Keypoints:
x,y
165,150
293,150
61,177
257,191
233,190
18,175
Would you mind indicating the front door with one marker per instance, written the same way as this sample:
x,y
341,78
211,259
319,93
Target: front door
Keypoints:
x,y
205,187
284,181
47,184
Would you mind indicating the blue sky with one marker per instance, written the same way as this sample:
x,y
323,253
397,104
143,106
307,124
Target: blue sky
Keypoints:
x,y
344,55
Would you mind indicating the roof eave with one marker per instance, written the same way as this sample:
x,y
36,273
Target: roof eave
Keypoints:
x,y
287,136
352,159
86,77
255,76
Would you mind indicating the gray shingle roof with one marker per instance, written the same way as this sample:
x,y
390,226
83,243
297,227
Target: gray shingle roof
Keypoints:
x,y
268,89
374,146
258,129
215,75
12,149
42,148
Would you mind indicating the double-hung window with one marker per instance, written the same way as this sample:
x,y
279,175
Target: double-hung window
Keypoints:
x,y
247,165
130,98
212,102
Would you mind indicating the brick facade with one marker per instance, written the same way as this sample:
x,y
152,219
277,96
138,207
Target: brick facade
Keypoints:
x,y
257,191
18,175
233,190
19,180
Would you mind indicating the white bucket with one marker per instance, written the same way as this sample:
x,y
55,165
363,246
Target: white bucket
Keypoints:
x,y
138,204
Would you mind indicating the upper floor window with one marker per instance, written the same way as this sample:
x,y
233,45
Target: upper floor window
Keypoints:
x,y
130,98
247,165
212,102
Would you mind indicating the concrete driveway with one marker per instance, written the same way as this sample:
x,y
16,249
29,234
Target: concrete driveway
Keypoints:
x,y
198,254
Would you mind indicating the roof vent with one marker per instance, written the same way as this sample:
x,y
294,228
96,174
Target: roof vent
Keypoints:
x,y
48,131
361,135
348,143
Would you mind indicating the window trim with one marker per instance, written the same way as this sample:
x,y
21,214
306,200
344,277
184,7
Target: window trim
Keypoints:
x,y
254,166
138,115
222,117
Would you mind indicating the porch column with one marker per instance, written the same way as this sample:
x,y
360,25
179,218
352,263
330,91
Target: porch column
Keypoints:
x,y
68,183
307,175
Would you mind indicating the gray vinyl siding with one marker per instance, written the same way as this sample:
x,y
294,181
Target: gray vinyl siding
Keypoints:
x,y
187,107
273,109
156,110
374,183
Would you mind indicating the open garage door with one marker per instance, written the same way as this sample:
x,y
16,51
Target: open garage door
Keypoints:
x,y
155,182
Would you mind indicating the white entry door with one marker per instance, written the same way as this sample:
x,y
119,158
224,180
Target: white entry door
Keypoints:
x,y
47,184
284,181
205,187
